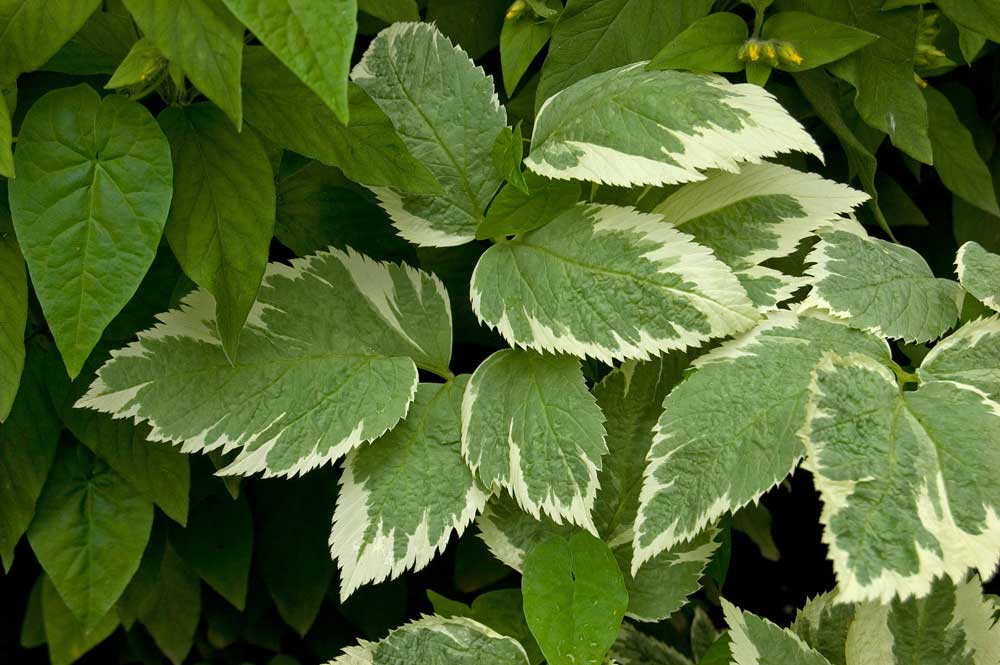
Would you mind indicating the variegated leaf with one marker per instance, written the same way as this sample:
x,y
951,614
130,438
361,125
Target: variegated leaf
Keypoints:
x,y
763,212
608,282
328,360
393,511
631,399
545,445
880,286
823,624
970,355
633,647
979,273
448,115
629,126
434,640
952,625
741,410
757,641
908,486
768,287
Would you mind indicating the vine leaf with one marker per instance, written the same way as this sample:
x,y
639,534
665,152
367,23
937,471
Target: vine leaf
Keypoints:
x,y
94,183
328,360
393,511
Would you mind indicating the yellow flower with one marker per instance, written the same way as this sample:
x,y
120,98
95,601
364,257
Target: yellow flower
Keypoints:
x,y
788,54
516,9
753,50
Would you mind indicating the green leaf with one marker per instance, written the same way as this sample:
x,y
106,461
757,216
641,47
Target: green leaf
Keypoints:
x,y
514,212
560,287
448,116
956,159
6,137
574,598
318,208
633,647
824,624
327,362
812,40
292,554
28,441
33,625
712,415
89,532
143,63
522,37
368,150
820,90
754,520
222,214
907,485
709,44
391,11
204,39
67,638
970,356
703,633
31,31
888,97
393,511
89,208
614,128
508,152
763,212
979,273
971,43
313,39
138,597
218,542
593,36
174,610
880,286
544,449
97,48
13,309
754,638
502,610
982,16
433,639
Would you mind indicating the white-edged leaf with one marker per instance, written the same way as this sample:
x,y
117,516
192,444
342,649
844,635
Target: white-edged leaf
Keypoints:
x,y
608,282
436,640
629,126
393,511
979,273
729,432
545,446
767,287
446,111
760,213
975,614
908,485
757,641
880,286
970,355
823,624
328,360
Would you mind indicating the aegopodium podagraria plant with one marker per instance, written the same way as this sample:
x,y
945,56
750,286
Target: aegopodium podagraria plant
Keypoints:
x,y
671,320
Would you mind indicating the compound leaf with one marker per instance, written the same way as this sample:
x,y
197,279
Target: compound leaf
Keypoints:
x,y
979,273
969,356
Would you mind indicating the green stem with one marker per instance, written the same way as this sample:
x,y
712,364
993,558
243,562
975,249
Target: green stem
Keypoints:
x,y
443,372
903,377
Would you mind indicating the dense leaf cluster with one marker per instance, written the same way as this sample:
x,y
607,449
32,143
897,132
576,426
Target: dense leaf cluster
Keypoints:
x,y
294,295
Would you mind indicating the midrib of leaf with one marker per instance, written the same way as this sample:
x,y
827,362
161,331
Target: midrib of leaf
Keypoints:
x,y
552,430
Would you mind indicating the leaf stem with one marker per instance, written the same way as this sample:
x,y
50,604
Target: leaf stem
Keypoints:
x,y
443,372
